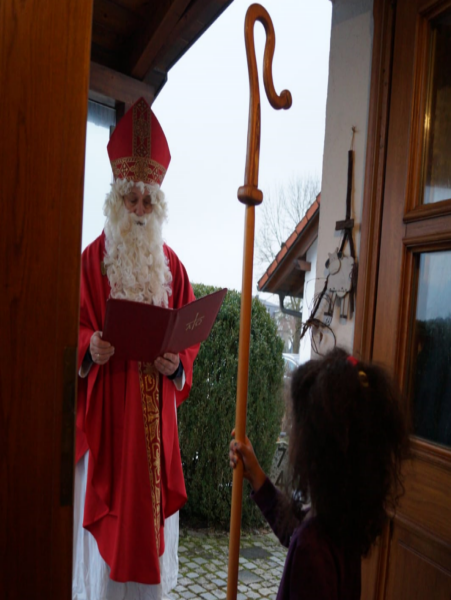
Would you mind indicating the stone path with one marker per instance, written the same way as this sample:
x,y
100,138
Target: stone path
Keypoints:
x,y
203,563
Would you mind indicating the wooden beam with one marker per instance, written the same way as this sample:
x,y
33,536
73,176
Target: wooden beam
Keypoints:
x,y
196,20
118,86
143,52
302,265
346,224
116,18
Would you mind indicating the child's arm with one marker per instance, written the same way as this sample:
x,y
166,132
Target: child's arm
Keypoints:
x,y
252,470
274,506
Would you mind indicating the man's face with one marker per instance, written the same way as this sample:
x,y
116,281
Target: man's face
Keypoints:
x,y
138,203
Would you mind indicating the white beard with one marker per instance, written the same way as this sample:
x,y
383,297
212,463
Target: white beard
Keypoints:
x,y
135,263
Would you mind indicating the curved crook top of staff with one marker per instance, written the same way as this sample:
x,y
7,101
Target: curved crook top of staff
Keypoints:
x,y
249,193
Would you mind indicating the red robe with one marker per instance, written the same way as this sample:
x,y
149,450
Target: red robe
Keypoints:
x,y
126,418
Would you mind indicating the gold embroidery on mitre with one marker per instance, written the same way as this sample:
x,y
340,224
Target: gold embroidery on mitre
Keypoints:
x,y
138,169
150,401
141,129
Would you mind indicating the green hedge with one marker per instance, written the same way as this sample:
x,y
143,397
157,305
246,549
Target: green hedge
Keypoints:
x,y
206,419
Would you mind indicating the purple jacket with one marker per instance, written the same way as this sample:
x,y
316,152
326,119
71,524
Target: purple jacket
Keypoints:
x,y
315,567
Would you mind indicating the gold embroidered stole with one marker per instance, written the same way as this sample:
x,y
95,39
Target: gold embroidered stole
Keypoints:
x,y
150,401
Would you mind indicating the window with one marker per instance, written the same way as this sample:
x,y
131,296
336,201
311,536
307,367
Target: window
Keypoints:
x,y
98,175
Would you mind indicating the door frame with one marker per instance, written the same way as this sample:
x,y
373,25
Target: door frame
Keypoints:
x,y
384,14
375,568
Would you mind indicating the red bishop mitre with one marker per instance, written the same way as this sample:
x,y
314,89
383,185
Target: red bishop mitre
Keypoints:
x,y
138,149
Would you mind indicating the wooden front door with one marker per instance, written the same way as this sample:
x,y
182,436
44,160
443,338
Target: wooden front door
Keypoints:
x,y
44,75
411,317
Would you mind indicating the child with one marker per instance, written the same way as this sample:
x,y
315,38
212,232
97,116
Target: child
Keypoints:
x,y
347,442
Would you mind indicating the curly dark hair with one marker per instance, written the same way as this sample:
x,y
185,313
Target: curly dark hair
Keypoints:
x,y
347,442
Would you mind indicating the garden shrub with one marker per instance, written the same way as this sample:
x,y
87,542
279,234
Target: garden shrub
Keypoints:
x,y
207,418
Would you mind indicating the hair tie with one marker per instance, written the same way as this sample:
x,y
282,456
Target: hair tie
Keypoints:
x,y
364,379
362,375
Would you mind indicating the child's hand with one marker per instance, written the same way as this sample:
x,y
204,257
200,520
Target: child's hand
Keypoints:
x,y
252,471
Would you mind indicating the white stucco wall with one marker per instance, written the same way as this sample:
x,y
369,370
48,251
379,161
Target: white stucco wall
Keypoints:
x,y
305,348
347,106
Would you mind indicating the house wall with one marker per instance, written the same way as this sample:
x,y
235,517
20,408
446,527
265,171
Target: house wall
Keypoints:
x,y
305,348
347,106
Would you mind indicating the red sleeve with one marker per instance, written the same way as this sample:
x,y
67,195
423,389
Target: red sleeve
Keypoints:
x,y
89,321
92,309
182,293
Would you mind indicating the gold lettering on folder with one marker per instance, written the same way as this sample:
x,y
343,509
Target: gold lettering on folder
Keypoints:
x,y
195,323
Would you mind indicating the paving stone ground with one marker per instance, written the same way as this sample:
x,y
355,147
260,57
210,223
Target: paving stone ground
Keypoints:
x,y
203,564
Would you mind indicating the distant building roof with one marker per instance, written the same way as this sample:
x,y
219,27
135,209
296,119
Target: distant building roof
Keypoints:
x,y
286,274
270,306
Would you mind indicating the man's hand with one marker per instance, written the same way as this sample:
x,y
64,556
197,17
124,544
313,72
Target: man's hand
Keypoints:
x,y
167,364
100,350
252,470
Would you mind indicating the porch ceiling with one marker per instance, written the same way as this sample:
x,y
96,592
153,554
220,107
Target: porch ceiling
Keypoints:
x,y
143,39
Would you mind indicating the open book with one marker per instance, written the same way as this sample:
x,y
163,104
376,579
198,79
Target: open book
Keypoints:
x,y
143,332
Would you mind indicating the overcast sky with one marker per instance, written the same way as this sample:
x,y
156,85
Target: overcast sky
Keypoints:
x,y
203,110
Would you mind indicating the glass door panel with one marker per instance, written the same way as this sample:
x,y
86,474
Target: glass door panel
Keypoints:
x,y
437,121
430,375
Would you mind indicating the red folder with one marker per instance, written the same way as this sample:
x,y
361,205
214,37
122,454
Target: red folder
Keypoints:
x,y
143,332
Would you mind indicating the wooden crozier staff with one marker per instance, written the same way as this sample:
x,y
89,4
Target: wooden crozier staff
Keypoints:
x,y
250,195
